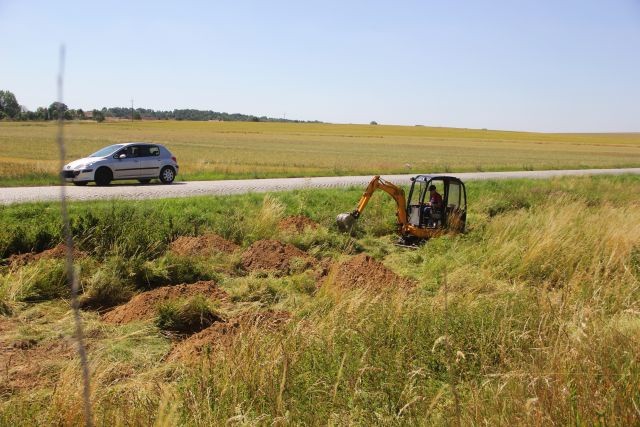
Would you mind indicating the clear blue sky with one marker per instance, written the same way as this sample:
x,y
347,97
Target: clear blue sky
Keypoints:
x,y
544,65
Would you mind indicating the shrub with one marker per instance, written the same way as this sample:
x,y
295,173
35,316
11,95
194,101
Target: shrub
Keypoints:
x,y
186,316
42,280
5,306
263,290
106,288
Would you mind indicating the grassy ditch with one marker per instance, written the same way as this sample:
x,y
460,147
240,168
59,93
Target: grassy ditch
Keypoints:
x,y
531,317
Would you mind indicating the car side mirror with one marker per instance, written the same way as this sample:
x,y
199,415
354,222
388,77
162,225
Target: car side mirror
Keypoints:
x,y
122,156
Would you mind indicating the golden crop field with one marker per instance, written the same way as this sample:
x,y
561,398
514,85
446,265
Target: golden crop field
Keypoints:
x,y
227,150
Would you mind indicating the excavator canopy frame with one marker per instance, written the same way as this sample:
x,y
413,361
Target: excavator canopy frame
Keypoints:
x,y
454,198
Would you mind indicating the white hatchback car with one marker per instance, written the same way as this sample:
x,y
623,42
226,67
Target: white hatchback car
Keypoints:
x,y
132,160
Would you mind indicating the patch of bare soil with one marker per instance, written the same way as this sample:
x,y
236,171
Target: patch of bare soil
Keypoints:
x,y
275,256
322,270
143,305
207,244
362,271
27,365
220,333
57,252
297,223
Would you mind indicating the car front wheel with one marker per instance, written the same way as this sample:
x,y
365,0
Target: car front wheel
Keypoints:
x,y
167,175
103,176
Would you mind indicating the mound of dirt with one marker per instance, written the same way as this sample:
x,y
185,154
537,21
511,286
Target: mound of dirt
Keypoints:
x,y
362,271
207,244
219,333
57,252
297,223
272,255
143,306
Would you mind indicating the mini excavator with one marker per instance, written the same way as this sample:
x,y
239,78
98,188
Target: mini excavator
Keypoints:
x,y
424,214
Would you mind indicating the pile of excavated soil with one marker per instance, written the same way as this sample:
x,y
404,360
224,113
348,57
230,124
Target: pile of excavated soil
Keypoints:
x,y
207,244
297,223
362,271
58,252
143,306
219,333
272,255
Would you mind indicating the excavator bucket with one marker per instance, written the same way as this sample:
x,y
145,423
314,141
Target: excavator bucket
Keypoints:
x,y
345,221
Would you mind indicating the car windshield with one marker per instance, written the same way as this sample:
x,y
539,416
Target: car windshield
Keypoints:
x,y
106,150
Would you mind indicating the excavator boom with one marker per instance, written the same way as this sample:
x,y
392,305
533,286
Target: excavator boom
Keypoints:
x,y
346,220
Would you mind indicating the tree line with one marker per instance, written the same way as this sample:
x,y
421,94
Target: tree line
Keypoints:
x,y
10,109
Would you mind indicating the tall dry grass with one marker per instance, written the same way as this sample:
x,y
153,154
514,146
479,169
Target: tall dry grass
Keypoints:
x,y
539,324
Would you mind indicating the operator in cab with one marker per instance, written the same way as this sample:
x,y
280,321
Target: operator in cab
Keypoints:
x,y
435,199
434,205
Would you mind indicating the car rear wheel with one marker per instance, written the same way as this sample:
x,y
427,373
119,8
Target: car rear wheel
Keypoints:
x,y
103,177
167,175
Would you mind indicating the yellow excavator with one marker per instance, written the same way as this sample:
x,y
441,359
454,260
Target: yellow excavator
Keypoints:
x,y
426,213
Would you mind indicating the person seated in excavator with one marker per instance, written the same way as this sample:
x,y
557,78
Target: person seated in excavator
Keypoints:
x,y
432,208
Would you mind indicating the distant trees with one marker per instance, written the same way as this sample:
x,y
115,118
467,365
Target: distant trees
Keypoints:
x,y
57,108
9,106
42,114
10,109
98,116
373,122
189,114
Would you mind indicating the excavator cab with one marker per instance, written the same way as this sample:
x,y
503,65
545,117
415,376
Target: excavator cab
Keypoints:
x,y
444,207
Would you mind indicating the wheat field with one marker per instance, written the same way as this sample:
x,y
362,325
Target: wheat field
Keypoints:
x,y
228,150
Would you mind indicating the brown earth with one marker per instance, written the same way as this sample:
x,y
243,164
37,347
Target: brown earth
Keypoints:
x,y
362,271
27,365
297,223
57,252
143,306
207,244
220,333
272,255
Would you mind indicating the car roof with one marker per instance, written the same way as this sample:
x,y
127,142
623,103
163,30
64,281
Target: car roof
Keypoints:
x,y
124,144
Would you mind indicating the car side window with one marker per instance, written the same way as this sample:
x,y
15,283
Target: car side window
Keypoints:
x,y
154,151
132,151
143,151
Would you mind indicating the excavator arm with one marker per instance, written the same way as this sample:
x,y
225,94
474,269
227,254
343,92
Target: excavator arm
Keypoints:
x,y
345,220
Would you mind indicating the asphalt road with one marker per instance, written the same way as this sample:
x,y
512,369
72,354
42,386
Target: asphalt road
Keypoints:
x,y
10,195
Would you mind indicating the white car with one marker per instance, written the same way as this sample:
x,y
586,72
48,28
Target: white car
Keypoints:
x,y
132,160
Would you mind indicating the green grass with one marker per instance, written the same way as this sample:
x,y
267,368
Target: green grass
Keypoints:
x,y
530,318
230,150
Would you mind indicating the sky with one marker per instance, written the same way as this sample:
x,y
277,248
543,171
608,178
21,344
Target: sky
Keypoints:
x,y
538,65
